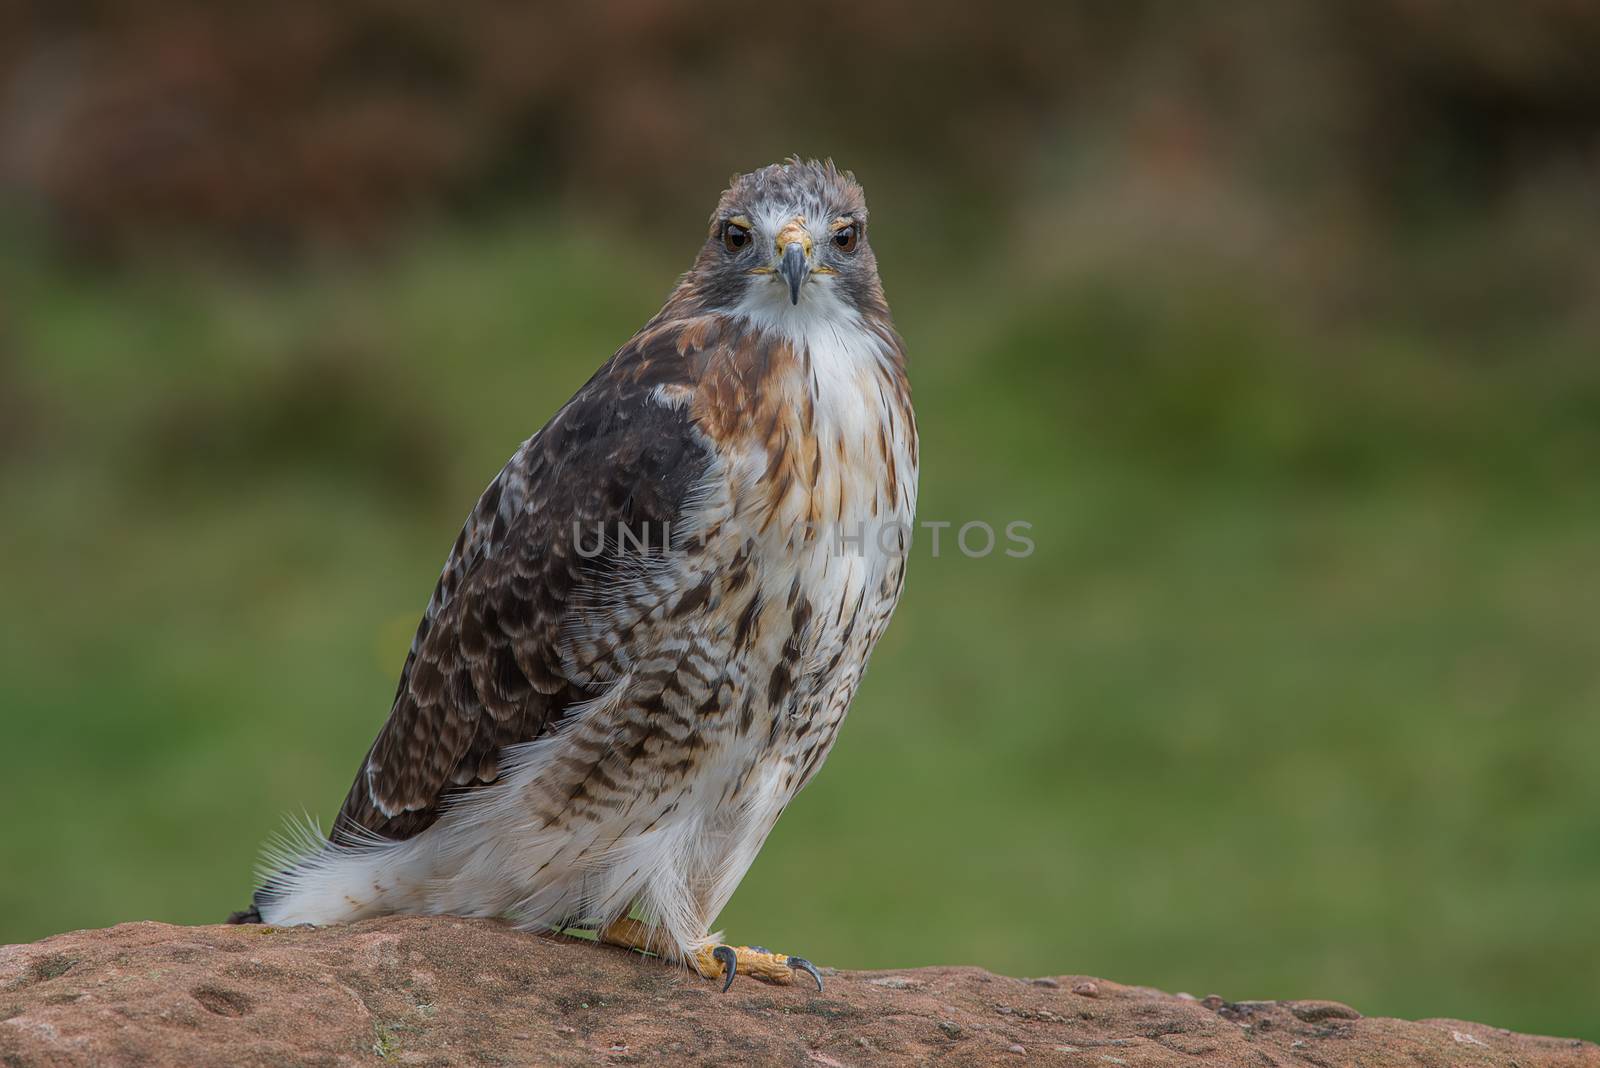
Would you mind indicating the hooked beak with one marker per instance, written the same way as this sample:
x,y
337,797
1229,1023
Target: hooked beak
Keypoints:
x,y
794,269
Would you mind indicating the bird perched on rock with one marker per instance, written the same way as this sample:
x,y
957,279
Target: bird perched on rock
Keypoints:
x,y
650,628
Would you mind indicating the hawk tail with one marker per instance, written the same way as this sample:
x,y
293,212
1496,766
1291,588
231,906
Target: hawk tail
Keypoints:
x,y
249,915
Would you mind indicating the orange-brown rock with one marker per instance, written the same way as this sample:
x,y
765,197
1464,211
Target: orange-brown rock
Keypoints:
x,y
448,991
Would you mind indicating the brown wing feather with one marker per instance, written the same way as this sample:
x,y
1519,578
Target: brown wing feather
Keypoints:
x,y
485,669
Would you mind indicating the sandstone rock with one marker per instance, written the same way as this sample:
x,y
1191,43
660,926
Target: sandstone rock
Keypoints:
x,y
447,991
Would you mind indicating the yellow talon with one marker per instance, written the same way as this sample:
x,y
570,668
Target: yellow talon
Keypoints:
x,y
713,961
754,961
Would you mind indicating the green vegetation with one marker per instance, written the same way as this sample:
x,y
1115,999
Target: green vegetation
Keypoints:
x,y
1297,696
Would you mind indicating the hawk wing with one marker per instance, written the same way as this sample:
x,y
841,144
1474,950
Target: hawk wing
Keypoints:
x,y
485,669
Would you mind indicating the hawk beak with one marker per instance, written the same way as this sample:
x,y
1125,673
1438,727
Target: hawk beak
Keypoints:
x,y
794,269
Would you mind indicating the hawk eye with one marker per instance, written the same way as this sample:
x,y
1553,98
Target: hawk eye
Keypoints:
x,y
845,237
734,236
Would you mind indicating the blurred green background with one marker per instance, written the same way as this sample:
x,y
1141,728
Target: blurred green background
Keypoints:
x,y
1280,322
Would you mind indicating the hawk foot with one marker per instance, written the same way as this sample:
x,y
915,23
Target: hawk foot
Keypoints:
x,y
755,961
758,962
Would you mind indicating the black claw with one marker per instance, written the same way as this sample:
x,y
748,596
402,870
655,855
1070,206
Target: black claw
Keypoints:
x,y
801,964
730,965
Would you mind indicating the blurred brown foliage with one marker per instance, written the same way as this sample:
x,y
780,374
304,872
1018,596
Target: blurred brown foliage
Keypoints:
x,y
270,126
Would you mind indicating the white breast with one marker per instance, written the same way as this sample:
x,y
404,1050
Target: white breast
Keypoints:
x,y
840,533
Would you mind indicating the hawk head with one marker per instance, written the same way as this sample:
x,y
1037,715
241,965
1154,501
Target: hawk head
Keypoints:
x,y
789,240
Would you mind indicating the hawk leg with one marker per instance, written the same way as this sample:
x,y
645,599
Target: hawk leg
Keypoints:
x,y
713,961
631,934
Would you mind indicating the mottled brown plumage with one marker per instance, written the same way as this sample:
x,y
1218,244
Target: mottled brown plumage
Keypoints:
x,y
650,627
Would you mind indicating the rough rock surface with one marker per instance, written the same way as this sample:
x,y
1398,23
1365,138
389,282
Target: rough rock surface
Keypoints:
x,y
446,991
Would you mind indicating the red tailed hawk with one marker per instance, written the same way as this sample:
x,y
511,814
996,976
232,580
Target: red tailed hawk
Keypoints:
x,y
649,630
